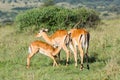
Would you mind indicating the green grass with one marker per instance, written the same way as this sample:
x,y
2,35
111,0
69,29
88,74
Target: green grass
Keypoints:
x,y
104,56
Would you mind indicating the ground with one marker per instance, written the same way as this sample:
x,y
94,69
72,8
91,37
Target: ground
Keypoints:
x,y
103,53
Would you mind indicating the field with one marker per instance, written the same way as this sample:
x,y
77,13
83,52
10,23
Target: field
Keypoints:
x,y
104,56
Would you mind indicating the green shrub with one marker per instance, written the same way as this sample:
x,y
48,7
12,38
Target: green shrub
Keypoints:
x,y
88,17
55,18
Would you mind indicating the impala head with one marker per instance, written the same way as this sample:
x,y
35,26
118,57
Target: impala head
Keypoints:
x,y
41,32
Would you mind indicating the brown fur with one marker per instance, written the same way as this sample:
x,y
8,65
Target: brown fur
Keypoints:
x,y
56,39
78,36
45,48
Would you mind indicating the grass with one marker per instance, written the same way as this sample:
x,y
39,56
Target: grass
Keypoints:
x,y
104,56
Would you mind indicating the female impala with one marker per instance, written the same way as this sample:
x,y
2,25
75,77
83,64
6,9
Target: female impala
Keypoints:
x,y
43,48
60,38
80,39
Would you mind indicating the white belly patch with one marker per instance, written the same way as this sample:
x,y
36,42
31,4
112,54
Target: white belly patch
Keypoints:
x,y
42,51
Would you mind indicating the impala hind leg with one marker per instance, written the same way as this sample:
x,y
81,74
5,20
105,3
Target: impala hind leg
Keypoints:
x,y
28,59
86,49
81,55
32,51
87,59
74,50
86,55
67,53
75,56
87,46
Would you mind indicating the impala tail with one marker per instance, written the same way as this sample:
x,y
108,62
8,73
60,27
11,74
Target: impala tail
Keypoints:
x,y
84,38
29,49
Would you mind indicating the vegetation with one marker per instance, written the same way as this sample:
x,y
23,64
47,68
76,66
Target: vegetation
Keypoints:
x,y
104,56
107,8
55,18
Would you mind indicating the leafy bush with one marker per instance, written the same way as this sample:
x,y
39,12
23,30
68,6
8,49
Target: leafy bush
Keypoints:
x,y
55,18
88,17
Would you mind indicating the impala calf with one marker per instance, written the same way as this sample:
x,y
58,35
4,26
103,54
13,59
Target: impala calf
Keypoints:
x,y
43,48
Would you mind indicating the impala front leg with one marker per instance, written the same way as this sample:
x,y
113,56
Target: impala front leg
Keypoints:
x,y
54,61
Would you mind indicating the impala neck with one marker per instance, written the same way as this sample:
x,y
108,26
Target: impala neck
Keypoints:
x,y
47,38
57,50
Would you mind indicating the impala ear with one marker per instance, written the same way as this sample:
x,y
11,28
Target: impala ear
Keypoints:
x,y
43,30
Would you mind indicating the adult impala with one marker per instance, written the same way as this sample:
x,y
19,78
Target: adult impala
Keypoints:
x,y
43,48
80,38
60,38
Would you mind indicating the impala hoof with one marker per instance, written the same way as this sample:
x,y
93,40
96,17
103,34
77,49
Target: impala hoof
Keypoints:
x,y
81,67
27,67
67,63
88,67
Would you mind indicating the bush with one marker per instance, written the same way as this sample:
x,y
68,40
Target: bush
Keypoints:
x,y
88,17
55,18
48,17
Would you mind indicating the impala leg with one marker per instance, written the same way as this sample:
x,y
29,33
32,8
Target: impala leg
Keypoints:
x,y
28,59
75,55
87,58
32,52
74,50
67,53
81,55
54,61
86,49
58,58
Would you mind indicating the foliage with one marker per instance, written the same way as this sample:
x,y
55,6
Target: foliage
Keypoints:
x,y
88,17
56,18
16,6
47,16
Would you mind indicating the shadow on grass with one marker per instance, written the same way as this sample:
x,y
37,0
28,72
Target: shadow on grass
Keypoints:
x,y
92,58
